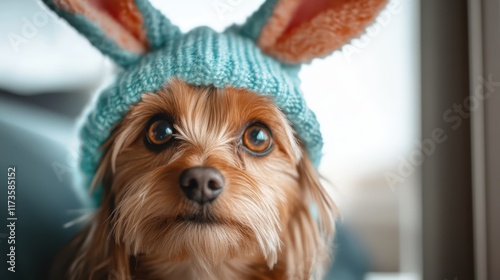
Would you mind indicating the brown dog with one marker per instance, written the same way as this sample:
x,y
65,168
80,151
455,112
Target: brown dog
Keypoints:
x,y
214,181
199,184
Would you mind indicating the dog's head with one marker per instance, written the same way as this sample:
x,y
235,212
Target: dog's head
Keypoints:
x,y
208,175
205,174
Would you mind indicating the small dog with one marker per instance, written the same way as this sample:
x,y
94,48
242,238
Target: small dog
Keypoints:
x,y
198,184
203,151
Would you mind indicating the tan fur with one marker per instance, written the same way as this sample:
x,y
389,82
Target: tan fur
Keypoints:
x,y
261,224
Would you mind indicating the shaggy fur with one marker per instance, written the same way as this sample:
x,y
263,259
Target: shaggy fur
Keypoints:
x,y
260,227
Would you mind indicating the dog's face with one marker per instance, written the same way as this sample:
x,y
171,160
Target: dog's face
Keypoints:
x,y
203,174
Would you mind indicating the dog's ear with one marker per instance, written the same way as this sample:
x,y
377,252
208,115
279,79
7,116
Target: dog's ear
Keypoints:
x,y
100,186
317,224
311,229
296,31
320,201
122,29
98,257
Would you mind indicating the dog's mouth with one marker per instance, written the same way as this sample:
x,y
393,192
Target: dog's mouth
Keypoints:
x,y
198,219
206,219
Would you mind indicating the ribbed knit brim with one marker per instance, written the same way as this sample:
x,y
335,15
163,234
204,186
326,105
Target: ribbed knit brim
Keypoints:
x,y
200,57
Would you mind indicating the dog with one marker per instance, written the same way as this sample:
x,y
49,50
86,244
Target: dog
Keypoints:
x,y
205,183
202,155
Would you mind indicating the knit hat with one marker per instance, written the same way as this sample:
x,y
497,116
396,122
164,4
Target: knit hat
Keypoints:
x,y
263,55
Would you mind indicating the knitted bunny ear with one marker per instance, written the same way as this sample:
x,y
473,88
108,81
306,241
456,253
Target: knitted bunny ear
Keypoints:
x,y
122,29
296,31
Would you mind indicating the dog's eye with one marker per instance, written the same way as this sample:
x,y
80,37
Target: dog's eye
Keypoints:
x,y
160,132
257,139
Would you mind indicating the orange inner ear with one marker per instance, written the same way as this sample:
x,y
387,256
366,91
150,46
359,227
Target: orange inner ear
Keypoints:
x,y
300,30
125,13
120,20
307,10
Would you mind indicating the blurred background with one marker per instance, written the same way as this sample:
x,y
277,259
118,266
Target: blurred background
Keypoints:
x,y
407,213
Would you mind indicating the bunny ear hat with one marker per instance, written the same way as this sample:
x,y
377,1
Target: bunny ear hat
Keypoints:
x,y
263,55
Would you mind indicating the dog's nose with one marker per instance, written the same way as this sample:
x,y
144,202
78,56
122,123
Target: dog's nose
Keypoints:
x,y
201,184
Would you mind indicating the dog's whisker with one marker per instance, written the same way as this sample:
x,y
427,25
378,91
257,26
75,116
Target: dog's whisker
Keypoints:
x,y
81,219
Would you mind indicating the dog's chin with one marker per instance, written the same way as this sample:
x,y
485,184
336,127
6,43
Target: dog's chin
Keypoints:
x,y
200,236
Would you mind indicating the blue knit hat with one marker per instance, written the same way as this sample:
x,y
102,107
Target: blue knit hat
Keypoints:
x,y
263,55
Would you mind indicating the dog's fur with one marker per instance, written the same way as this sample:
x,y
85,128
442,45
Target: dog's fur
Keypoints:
x,y
262,225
